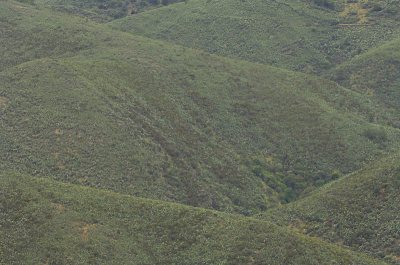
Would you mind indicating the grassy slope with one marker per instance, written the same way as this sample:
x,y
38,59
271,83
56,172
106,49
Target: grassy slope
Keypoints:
x,y
142,117
360,210
47,222
295,35
102,10
374,73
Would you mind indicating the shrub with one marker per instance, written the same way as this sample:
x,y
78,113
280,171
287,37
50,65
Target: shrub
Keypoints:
x,y
335,174
376,7
29,2
392,10
377,135
319,183
325,3
154,2
288,195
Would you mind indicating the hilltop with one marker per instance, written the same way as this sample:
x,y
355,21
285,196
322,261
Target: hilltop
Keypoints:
x,y
307,36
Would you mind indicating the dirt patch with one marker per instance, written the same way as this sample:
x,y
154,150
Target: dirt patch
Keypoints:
x,y
3,102
18,6
60,165
298,226
393,257
147,62
85,229
355,9
58,206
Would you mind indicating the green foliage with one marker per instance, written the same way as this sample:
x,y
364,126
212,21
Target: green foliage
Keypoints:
x,y
110,110
288,195
350,210
29,2
319,183
375,74
325,3
375,134
84,104
374,6
103,10
44,221
307,36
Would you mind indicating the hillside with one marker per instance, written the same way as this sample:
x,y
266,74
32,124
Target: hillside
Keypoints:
x,y
374,73
360,210
308,36
46,222
154,120
101,11
136,142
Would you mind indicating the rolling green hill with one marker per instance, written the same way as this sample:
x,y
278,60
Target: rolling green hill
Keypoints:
x,y
374,73
111,133
360,210
295,35
155,120
47,222
101,11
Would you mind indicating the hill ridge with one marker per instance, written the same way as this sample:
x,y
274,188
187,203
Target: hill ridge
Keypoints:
x,y
350,210
83,217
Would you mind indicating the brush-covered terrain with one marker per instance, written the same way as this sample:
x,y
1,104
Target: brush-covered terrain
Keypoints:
x,y
47,222
142,117
375,74
93,115
360,210
308,36
101,11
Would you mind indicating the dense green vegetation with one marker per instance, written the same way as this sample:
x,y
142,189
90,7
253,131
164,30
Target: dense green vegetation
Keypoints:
x,y
297,35
102,10
111,133
360,210
374,73
110,112
44,221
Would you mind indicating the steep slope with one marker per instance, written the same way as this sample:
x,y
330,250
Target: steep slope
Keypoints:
x,y
375,73
46,222
295,35
360,210
155,120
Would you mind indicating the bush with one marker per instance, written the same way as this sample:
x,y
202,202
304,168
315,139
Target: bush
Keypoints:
x,y
288,195
392,10
376,7
319,183
325,3
376,135
29,2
